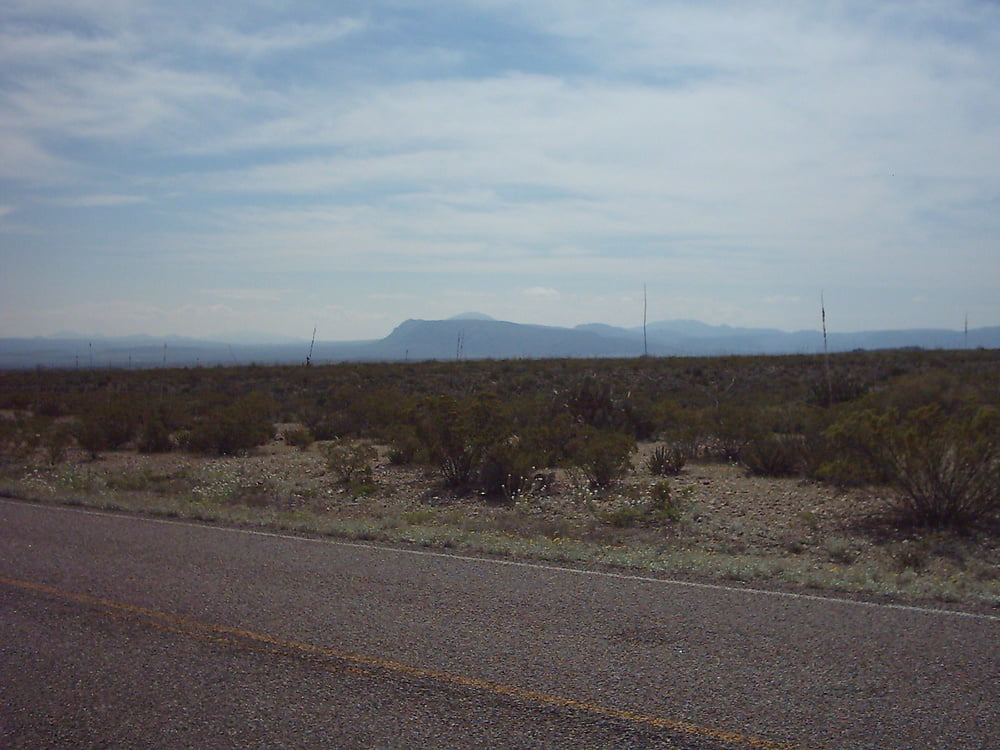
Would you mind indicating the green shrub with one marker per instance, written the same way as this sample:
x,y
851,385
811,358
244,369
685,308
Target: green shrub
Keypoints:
x,y
604,457
851,451
351,461
56,440
666,460
404,446
20,437
299,437
506,469
943,468
771,455
730,429
154,437
836,388
107,425
595,402
663,505
642,507
947,468
238,427
456,435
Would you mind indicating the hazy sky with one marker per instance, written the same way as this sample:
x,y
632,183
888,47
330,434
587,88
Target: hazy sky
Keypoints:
x,y
207,168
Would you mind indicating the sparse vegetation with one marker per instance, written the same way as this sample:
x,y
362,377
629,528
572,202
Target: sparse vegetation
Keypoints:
x,y
560,459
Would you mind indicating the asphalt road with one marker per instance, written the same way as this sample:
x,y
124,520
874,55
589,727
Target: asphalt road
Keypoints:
x,y
118,631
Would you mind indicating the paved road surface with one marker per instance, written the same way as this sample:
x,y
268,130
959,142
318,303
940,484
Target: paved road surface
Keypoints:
x,y
118,631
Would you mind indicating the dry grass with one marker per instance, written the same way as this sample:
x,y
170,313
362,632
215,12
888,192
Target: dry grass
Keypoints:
x,y
722,524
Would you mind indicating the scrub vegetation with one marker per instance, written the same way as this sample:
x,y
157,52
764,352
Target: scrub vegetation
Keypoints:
x,y
871,471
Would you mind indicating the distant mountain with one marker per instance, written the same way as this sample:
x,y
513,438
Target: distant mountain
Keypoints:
x,y
492,339
476,336
472,316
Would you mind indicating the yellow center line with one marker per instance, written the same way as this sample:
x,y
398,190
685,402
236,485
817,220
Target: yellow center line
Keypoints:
x,y
240,637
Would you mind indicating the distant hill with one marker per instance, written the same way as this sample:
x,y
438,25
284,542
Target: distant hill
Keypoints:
x,y
476,336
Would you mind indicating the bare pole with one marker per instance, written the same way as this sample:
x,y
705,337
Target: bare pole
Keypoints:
x,y
645,345
826,351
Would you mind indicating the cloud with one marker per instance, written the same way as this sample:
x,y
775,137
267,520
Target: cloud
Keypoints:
x,y
247,295
774,148
542,292
781,299
101,201
288,37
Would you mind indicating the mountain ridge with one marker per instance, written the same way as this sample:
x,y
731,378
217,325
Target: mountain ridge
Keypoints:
x,y
476,336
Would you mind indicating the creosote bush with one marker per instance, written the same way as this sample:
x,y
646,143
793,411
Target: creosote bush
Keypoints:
x,y
107,425
934,441
773,455
350,460
604,457
947,469
233,428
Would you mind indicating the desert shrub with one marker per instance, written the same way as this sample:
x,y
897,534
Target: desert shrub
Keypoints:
x,y
850,452
404,446
839,387
108,424
506,469
729,429
545,435
603,456
447,433
648,506
234,428
595,402
350,460
663,505
943,467
773,455
666,460
299,437
457,435
154,433
56,440
20,437
947,469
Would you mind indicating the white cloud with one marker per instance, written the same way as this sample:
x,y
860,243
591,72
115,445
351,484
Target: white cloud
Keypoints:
x,y
101,200
776,147
296,36
542,292
247,295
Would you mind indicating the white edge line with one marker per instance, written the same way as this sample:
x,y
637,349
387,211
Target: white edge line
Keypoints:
x,y
511,563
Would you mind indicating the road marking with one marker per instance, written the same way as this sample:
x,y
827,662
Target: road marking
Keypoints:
x,y
522,564
359,663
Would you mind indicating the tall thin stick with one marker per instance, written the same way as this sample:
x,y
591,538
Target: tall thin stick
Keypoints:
x,y
645,345
826,352
309,357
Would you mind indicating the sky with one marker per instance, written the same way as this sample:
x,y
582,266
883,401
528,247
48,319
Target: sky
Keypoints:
x,y
216,169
